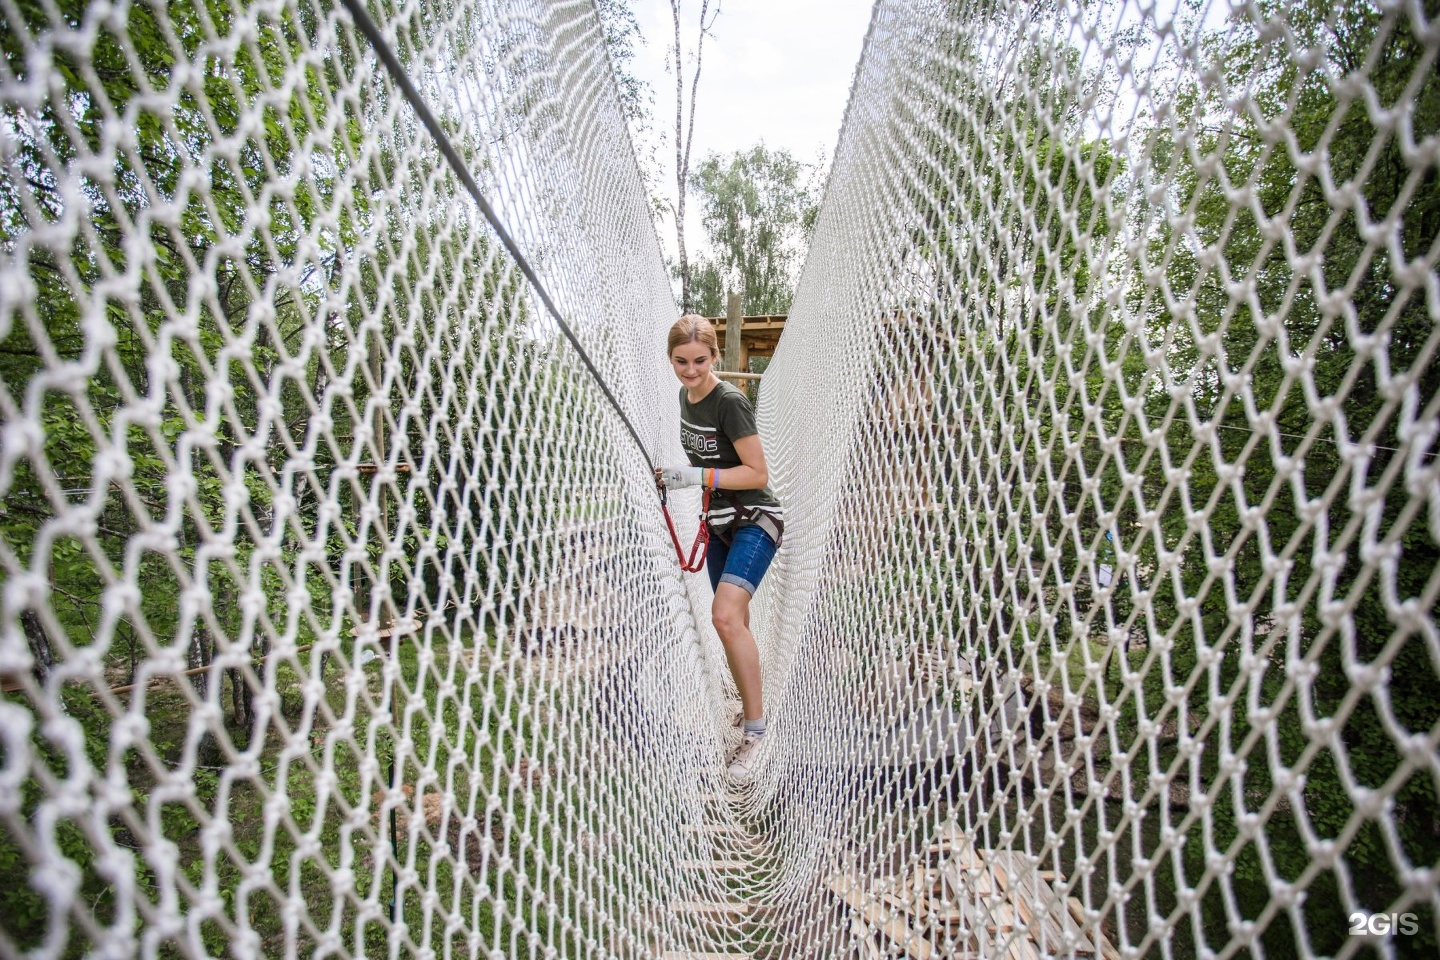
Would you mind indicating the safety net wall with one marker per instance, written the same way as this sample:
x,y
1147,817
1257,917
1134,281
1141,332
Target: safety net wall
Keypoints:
x,y
334,609
1110,398
339,617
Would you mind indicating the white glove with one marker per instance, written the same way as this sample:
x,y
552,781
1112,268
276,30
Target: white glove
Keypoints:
x,y
676,477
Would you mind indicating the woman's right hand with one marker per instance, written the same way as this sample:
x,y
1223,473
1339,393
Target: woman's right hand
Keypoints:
x,y
675,478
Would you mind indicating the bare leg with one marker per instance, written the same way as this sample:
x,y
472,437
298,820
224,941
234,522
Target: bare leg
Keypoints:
x,y
731,616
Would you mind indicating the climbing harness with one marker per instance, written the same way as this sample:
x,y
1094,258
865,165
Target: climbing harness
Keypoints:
x,y
701,546
773,526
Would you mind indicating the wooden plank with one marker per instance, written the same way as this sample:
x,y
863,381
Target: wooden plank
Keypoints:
x,y
951,832
1001,919
1049,931
720,828
1077,911
1068,925
1021,948
1004,921
866,936
975,883
899,903
847,888
758,335
1020,894
1055,917
946,915
1002,880
918,891
962,855
695,908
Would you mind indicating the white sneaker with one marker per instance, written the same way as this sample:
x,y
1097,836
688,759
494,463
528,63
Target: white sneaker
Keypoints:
x,y
743,763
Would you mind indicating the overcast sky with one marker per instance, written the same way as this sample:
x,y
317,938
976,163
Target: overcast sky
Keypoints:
x,y
773,70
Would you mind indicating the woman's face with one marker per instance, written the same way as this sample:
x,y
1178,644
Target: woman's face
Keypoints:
x,y
692,363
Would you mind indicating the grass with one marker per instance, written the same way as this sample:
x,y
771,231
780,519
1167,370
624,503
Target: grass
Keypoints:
x,y
291,814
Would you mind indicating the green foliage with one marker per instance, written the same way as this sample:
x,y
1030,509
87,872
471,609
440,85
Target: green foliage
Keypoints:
x,y
622,33
273,245
1324,339
758,207
1231,631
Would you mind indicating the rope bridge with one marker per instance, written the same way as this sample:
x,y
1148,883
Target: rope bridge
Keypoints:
x,y
339,618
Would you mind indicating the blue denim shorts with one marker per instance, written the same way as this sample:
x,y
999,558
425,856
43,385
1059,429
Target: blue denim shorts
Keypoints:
x,y
743,562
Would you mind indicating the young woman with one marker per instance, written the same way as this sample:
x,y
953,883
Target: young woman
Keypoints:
x,y
717,429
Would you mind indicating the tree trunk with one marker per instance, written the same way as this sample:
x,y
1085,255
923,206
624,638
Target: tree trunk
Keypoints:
x,y
684,260
684,132
39,644
239,697
134,653
202,645
202,652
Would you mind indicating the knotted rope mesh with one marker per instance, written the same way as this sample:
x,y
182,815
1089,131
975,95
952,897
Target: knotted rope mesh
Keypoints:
x,y
339,617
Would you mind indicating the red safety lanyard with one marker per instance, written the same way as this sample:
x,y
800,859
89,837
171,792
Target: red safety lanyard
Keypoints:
x,y
702,536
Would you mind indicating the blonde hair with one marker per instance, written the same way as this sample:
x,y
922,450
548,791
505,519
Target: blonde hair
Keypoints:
x,y
693,328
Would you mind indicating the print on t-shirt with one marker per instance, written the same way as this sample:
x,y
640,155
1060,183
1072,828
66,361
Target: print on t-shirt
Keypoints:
x,y
699,440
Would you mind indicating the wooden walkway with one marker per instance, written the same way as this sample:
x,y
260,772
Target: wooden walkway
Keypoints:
x,y
961,902
724,926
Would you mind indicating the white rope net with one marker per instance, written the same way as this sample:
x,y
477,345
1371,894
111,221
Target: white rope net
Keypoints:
x,y
339,618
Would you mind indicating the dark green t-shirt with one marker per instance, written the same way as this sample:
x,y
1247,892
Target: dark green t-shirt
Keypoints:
x,y
708,431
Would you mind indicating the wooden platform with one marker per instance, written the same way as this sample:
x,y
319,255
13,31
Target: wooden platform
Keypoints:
x,y
719,866
711,909
759,335
964,902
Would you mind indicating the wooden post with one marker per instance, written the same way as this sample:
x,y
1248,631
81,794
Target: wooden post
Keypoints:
x,y
734,345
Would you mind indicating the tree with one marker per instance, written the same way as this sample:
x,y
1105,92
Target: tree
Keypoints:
x,y
235,338
685,127
758,207
1230,245
621,31
1015,247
